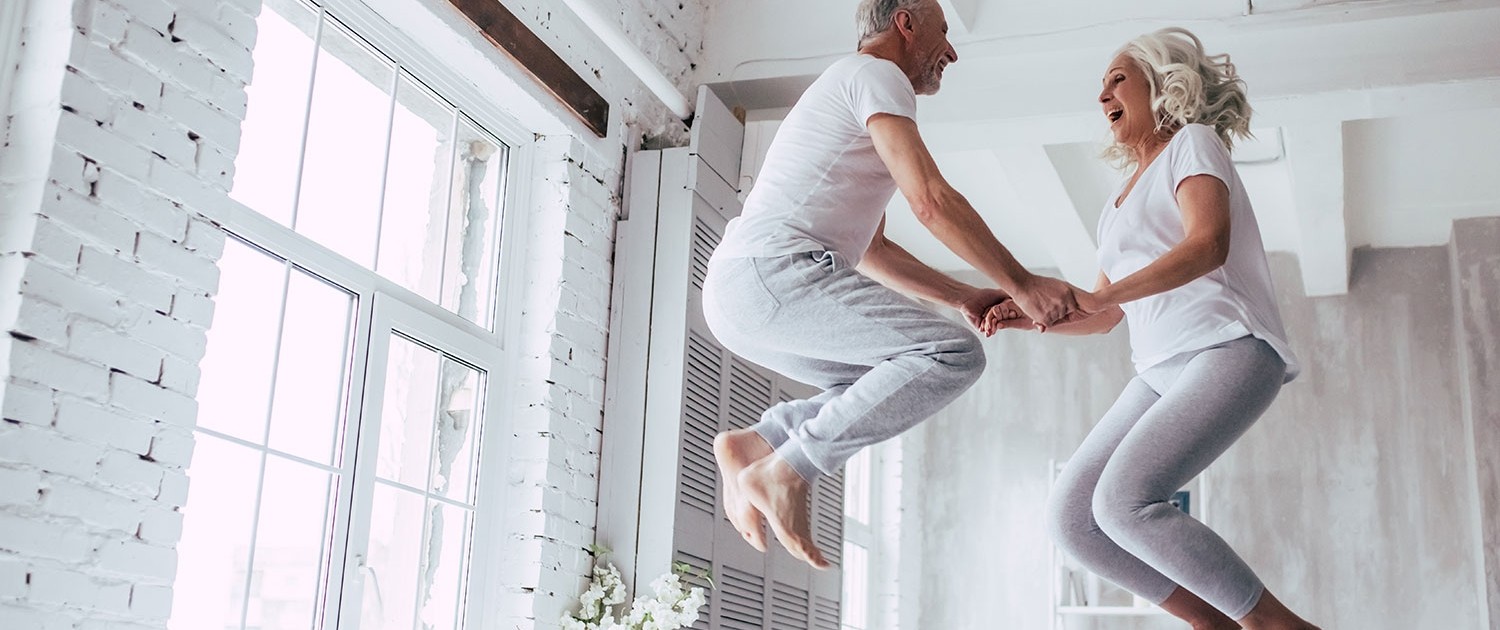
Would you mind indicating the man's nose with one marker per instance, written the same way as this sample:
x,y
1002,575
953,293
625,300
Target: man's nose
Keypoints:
x,y
952,54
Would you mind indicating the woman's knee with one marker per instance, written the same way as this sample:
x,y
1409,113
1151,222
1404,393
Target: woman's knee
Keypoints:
x,y
1069,515
1116,508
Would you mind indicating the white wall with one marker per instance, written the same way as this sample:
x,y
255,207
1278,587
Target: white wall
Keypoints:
x,y
107,272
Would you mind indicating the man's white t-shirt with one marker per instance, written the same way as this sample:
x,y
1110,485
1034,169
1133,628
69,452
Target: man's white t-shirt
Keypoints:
x,y
822,185
1230,302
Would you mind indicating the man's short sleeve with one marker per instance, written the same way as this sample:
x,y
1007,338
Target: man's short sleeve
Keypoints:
x,y
1201,152
880,87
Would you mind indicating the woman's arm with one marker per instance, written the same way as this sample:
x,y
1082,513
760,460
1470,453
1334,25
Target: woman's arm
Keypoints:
x,y
1204,200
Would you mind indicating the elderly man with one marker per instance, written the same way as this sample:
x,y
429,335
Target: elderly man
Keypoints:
x,y
783,290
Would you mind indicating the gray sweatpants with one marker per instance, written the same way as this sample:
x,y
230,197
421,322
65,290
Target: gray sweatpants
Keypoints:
x,y
884,362
1109,507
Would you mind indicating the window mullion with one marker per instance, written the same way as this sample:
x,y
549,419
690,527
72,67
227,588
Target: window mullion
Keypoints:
x,y
312,85
385,164
344,514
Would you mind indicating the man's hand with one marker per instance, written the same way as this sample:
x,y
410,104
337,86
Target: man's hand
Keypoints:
x,y
977,303
1005,315
1046,300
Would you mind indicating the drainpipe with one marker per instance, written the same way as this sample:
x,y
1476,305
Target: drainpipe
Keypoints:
x,y
644,69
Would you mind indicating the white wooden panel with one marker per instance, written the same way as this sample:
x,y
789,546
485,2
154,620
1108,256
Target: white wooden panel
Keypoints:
x,y
718,136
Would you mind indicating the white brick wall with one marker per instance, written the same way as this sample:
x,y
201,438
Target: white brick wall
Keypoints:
x,y
106,283
108,290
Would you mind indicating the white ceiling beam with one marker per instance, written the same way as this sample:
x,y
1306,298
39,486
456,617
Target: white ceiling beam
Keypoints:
x,y
1315,163
1041,195
960,14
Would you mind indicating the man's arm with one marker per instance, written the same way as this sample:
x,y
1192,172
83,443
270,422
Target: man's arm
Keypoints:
x,y
954,222
891,265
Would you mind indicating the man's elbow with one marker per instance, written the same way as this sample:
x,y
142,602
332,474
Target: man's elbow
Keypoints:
x,y
933,209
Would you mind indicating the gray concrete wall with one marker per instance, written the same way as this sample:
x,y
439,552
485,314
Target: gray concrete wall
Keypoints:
x,y
1476,280
1354,497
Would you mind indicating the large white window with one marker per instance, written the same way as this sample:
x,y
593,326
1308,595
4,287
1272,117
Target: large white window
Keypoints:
x,y
356,355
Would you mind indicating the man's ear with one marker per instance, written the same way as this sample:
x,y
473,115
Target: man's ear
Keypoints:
x,y
905,22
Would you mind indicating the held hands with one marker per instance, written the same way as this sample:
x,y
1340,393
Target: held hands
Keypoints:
x,y
1005,315
1047,301
977,303
1010,314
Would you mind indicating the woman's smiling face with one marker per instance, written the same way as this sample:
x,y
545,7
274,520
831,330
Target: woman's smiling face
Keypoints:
x,y
1126,99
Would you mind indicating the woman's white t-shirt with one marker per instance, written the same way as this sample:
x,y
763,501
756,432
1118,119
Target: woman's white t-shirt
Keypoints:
x,y
823,186
1230,302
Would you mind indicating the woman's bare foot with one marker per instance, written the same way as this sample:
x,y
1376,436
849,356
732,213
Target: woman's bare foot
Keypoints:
x,y
735,450
778,492
1188,607
1270,614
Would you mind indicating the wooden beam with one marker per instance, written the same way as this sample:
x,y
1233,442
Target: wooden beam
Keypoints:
x,y
1315,161
508,33
1041,194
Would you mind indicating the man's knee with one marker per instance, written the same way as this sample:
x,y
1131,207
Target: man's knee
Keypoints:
x,y
964,355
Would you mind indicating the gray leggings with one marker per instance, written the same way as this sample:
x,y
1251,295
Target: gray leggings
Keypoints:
x,y
1109,507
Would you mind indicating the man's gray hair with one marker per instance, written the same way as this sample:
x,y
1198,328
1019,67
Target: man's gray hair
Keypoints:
x,y
873,17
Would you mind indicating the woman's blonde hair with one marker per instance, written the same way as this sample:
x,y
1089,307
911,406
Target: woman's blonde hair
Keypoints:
x,y
1188,85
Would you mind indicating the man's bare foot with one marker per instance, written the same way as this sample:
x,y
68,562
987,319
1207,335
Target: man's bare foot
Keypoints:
x,y
735,450
778,492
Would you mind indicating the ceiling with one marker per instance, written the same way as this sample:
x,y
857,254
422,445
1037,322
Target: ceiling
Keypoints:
x,y
1377,121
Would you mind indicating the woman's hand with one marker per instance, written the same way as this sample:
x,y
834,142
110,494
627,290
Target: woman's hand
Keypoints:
x,y
1005,315
977,303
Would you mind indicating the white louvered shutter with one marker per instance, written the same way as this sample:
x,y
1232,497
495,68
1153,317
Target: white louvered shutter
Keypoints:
x,y
695,389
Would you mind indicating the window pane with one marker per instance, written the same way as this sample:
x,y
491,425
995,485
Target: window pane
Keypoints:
x,y
857,487
444,568
473,256
406,422
414,219
459,396
214,553
339,204
236,386
856,586
307,415
271,138
395,548
289,545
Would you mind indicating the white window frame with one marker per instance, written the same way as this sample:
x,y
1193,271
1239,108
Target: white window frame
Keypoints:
x,y
866,535
381,302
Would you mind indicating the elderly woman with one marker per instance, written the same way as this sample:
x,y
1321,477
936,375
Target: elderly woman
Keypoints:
x,y
1182,261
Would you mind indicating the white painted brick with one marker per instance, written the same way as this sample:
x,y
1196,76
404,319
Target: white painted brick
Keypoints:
x,y
100,20
18,488
206,239
238,23
104,345
220,49
183,187
47,284
155,135
36,538
24,403
62,373
91,505
151,601
172,448
86,97
174,489
125,278
169,61
180,376
156,14
67,172
151,401
173,259
121,76
215,166
102,228
131,558
90,422
181,339
130,474
229,95
42,321
193,308
62,587
214,125
13,575
161,526
142,206
102,146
